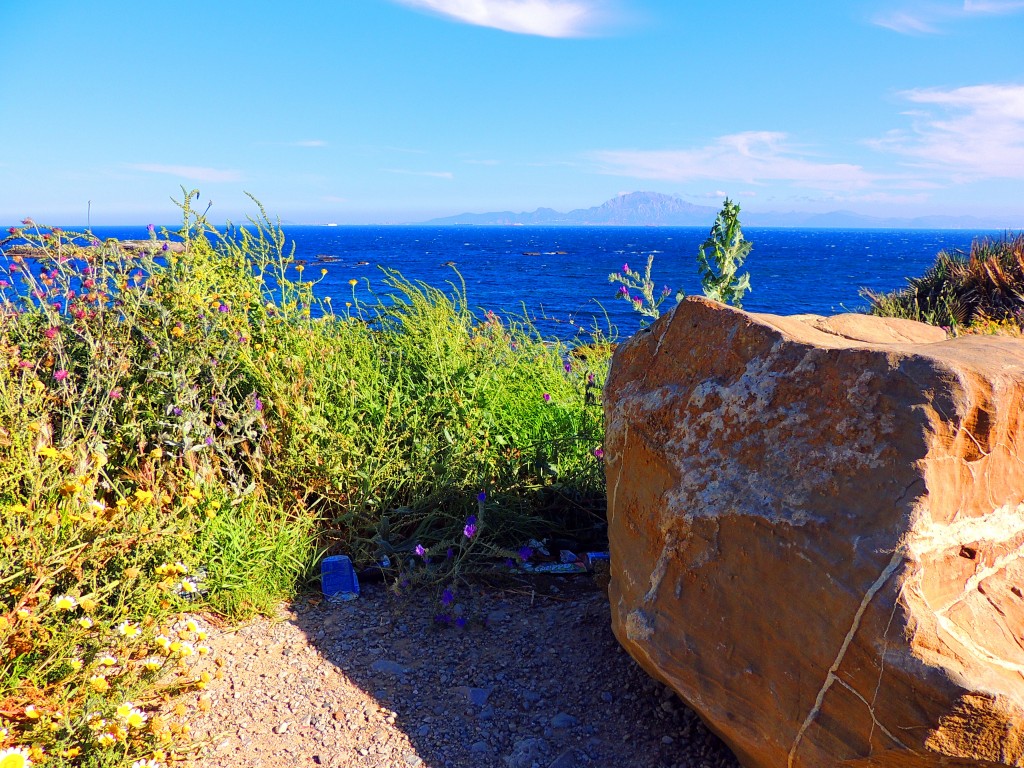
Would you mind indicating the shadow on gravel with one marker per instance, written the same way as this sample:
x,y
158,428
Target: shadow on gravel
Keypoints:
x,y
535,680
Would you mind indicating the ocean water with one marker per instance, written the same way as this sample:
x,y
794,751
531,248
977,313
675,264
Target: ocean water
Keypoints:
x,y
559,275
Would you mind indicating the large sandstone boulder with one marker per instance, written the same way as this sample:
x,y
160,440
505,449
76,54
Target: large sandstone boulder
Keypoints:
x,y
816,534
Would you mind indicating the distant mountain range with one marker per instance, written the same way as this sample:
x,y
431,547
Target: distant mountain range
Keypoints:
x,y
647,209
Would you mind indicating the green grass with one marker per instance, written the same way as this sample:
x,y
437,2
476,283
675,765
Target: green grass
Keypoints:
x,y
191,431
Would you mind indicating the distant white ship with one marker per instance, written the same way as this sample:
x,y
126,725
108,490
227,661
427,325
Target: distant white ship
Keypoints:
x,y
332,224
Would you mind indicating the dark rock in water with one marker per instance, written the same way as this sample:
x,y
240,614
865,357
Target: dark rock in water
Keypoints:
x,y
817,534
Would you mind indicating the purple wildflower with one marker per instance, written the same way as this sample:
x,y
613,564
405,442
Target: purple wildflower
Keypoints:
x,y
482,496
151,228
223,308
420,551
449,554
567,366
165,247
599,452
525,553
257,403
469,531
60,375
624,290
547,398
460,622
625,267
209,440
176,411
447,597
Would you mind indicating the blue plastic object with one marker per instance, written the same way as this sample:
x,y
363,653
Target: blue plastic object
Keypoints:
x,y
338,579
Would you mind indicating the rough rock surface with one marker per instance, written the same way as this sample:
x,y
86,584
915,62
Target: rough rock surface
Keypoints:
x,y
816,534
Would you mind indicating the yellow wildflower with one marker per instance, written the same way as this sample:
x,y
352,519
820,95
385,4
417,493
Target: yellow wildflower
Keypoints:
x,y
177,331
106,660
99,684
32,712
49,452
64,603
85,622
136,718
129,630
106,739
14,757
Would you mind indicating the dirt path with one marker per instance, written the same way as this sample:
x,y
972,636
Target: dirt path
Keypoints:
x,y
535,679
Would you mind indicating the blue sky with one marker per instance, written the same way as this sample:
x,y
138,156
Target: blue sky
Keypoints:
x,y
360,111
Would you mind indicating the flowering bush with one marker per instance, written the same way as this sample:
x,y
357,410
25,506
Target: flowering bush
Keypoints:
x,y
180,420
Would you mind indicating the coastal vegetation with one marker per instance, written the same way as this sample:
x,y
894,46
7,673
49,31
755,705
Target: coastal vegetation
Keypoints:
x,y
188,427
981,290
719,259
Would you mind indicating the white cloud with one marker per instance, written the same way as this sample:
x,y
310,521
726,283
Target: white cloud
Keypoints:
x,y
432,174
191,172
753,157
547,18
905,23
993,6
926,18
965,133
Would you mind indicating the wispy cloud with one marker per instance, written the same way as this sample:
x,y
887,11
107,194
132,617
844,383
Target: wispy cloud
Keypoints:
x,y
432,174
191,172
906,23
993,6
927,18
547,18
753,157
964,133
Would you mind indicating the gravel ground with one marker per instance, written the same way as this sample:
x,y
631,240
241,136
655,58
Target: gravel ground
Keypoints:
x,y
535,680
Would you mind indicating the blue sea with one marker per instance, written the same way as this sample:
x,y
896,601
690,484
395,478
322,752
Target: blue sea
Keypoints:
x,y
559,275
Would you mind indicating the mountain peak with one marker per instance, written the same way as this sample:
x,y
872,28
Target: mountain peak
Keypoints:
x,y
626,210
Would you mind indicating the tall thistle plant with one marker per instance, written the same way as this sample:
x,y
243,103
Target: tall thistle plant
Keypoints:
x,y
721,256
